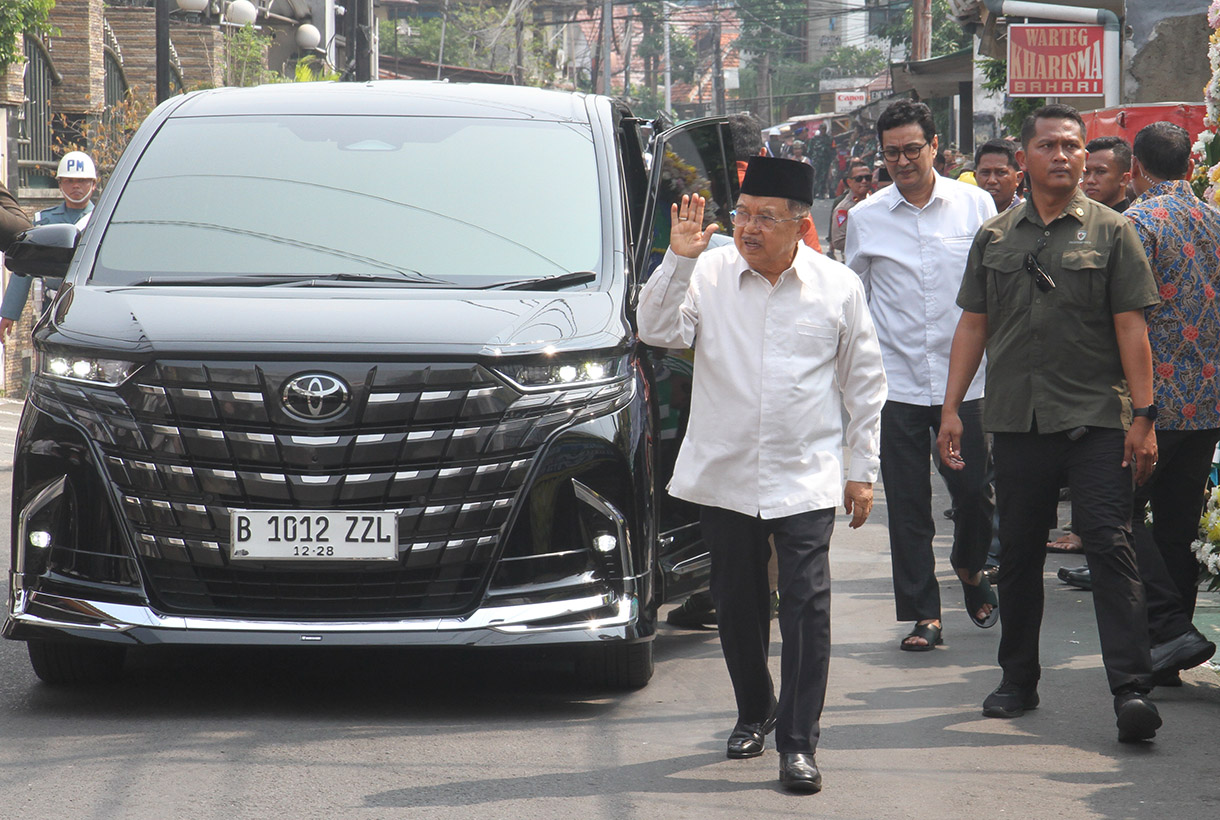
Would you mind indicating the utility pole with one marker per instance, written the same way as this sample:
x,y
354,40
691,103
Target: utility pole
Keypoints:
x,y
440,56
921,29
161,26
627,55
669,77
519,62
717,63
607,22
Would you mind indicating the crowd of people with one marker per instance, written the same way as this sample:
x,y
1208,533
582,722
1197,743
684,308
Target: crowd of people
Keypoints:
x,y
1083,273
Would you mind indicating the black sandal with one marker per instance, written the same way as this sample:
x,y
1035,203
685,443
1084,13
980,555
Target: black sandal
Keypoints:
x,y
980,595
929,632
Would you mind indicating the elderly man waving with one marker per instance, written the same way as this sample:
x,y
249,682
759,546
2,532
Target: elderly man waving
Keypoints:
x,y
785,342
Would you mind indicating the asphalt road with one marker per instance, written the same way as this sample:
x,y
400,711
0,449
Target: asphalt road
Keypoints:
x,y
244,735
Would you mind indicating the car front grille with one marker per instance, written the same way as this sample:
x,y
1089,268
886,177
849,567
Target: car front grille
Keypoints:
x,y
449,445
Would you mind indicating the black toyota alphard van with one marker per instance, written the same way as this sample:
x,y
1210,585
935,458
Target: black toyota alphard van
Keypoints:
x,y
353,365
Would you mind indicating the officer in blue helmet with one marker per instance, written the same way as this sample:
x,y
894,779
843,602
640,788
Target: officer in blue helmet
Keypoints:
x,y
77,176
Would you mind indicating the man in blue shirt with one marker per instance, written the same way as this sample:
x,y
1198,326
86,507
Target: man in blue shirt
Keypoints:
x,y
77,177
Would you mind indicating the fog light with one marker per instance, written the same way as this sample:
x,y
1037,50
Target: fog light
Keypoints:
x,y
42,539
605,543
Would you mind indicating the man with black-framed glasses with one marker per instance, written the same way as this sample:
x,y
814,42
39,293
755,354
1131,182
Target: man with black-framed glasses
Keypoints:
x,y
909,242
1055,292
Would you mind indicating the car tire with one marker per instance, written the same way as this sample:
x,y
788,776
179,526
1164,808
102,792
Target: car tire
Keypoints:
x,y
66,663
616,665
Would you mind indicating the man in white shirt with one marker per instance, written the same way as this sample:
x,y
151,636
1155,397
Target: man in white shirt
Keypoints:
x,y
785,344
909,244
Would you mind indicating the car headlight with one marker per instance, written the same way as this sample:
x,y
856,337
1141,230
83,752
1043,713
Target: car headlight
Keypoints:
x,y
568,372
85,369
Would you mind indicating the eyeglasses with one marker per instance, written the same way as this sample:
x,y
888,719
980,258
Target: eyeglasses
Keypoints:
x,y
1034,268
911,151
862,178
764,222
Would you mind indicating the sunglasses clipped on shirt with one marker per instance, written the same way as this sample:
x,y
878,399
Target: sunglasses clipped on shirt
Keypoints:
x,y
1034,268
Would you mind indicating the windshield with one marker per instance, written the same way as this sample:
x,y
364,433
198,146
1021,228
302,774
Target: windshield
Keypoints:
x,y
421,200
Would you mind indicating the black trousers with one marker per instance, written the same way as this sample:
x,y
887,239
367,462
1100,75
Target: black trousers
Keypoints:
x,y
741,592
1176,494
908,433
1030,468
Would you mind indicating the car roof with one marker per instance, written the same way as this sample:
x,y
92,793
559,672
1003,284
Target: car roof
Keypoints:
x,y
420,98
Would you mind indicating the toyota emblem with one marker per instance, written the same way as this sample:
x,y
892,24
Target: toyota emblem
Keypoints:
x,y
315,397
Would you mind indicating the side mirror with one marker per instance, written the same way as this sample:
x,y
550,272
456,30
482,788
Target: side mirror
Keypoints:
x,y
43,251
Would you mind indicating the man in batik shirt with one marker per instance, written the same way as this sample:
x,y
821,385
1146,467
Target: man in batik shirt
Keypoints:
x,y
1181,236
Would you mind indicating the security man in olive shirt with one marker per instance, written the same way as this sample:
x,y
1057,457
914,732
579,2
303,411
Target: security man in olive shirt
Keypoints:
x,y
1055,292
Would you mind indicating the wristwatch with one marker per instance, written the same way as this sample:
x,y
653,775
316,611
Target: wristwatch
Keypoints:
x,y
1148,412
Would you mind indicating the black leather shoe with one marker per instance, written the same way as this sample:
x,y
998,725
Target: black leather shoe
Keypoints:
x,y
1166,677
1186,651
1138,718
749,739
1010,700
798,772
695,612
1079,577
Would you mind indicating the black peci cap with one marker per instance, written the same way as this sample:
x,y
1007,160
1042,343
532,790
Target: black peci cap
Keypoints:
x,y
783,178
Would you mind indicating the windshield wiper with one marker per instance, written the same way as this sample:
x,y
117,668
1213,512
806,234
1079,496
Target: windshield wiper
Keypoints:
x,y
296,280
403,276
251,280
557,282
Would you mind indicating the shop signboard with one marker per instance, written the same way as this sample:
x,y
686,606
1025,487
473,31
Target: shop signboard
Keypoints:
x,y
846,101
1055,60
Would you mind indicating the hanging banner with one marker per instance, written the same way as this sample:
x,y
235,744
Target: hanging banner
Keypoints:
x,y
1055,60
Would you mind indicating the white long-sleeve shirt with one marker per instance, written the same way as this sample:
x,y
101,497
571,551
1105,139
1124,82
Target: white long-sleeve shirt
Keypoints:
x,y
774,368
911,261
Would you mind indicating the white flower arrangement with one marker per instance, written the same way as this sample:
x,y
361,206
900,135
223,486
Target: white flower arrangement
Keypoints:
x,y
1206,181
1207,547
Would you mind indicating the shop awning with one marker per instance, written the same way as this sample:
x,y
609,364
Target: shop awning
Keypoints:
x,y
937,77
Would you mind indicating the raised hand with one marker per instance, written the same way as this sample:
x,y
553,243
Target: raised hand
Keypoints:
x,y
687,237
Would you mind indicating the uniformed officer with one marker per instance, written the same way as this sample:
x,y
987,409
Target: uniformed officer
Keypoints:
x,y
77,178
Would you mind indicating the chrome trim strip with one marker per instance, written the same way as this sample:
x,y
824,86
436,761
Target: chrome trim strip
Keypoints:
x,y
601,505
515,619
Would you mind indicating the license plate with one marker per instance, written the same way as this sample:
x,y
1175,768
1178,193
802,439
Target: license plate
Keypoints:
x,y
313,535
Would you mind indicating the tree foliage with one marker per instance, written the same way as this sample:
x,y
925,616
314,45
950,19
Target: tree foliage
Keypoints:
x,y
772,27
105,138
851,61
312,69
477,35
947,35
1016,109
245,58
18,18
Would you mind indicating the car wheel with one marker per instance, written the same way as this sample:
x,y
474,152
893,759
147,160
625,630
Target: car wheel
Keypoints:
x,y
616,665
67,663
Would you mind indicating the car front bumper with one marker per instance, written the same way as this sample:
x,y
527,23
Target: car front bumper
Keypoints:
x,y
590,619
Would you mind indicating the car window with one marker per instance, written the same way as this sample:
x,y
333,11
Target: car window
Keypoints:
x,y
462,200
